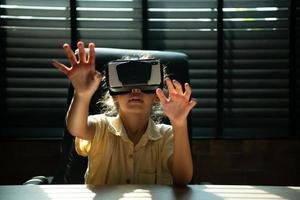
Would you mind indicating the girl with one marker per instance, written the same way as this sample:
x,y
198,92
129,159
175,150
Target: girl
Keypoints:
x,y
129,147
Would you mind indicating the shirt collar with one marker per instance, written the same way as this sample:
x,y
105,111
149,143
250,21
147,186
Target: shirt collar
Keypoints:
x,y
116,127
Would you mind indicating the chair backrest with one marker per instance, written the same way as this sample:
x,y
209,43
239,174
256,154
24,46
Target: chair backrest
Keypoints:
x,y
73,166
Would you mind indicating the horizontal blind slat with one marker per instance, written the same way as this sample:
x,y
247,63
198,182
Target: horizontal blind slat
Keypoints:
x,y
27,102
34,72
31,62
37,92
53,3
258,34
237,73
183,15
257,44
30,33
37,82
136,13
188,44
133,34
181,4
254,3
255,14
261,24
182,25
37,23
34,12
108,4
182,34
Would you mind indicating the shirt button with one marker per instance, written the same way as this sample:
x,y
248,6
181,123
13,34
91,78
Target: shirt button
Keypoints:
x,y
128,181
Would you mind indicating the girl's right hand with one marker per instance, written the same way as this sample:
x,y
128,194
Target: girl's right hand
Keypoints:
x,y
82,73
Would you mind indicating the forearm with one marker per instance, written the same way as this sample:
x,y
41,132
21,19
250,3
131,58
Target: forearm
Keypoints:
x,y
77,116
181,163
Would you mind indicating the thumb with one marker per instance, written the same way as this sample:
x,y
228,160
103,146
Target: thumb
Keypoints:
x,y
98,75
61,67
192,104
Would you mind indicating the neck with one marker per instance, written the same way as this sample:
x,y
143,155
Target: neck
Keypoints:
x,y
135,126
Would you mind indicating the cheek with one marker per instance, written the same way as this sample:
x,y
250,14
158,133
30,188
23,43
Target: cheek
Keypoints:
x,y
152,100
119,101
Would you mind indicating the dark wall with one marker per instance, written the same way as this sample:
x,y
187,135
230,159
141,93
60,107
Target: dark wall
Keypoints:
x,y
255,162
24,159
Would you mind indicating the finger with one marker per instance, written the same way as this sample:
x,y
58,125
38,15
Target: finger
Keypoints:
x,y
82,56
177,87
170,86
192,104
98,76
91,58
71,56
188,91
160,94
61,67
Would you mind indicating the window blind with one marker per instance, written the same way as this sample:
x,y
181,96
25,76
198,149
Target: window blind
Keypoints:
x,y
256,62
191,27
35,92
115,24
256,68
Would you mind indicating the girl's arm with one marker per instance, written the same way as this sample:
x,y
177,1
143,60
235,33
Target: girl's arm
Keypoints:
x,y
85,80
177,108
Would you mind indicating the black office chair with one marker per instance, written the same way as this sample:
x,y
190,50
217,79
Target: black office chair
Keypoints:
x,y
73,166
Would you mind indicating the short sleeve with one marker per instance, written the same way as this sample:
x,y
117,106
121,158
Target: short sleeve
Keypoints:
x,y
83,147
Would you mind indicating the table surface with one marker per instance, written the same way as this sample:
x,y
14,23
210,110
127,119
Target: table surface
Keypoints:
x,y
148,192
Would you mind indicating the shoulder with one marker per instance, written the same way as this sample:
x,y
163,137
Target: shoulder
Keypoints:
x,y
101,119
104,123
103,130
164,128
160,131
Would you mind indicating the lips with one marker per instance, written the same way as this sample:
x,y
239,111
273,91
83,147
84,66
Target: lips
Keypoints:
x,y
136,100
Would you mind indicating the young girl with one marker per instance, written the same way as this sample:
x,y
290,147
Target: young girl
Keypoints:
x,y
128,148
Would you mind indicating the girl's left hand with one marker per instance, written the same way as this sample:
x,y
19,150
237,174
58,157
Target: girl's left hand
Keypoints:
x,y
178,105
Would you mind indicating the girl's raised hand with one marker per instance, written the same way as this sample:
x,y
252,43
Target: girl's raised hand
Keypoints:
x,y
82,73
178,105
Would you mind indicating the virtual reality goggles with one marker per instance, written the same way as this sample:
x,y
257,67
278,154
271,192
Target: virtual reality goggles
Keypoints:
x,y
124,75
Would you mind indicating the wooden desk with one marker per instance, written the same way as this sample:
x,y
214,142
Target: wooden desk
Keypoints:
x,y
147,192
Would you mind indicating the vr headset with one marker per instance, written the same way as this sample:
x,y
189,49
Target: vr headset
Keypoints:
x,y
124,75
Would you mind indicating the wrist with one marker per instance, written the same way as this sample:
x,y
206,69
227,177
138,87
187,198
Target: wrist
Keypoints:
x,y
179,124
82,96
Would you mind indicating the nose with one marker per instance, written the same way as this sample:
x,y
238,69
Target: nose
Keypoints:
x,y
136,90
